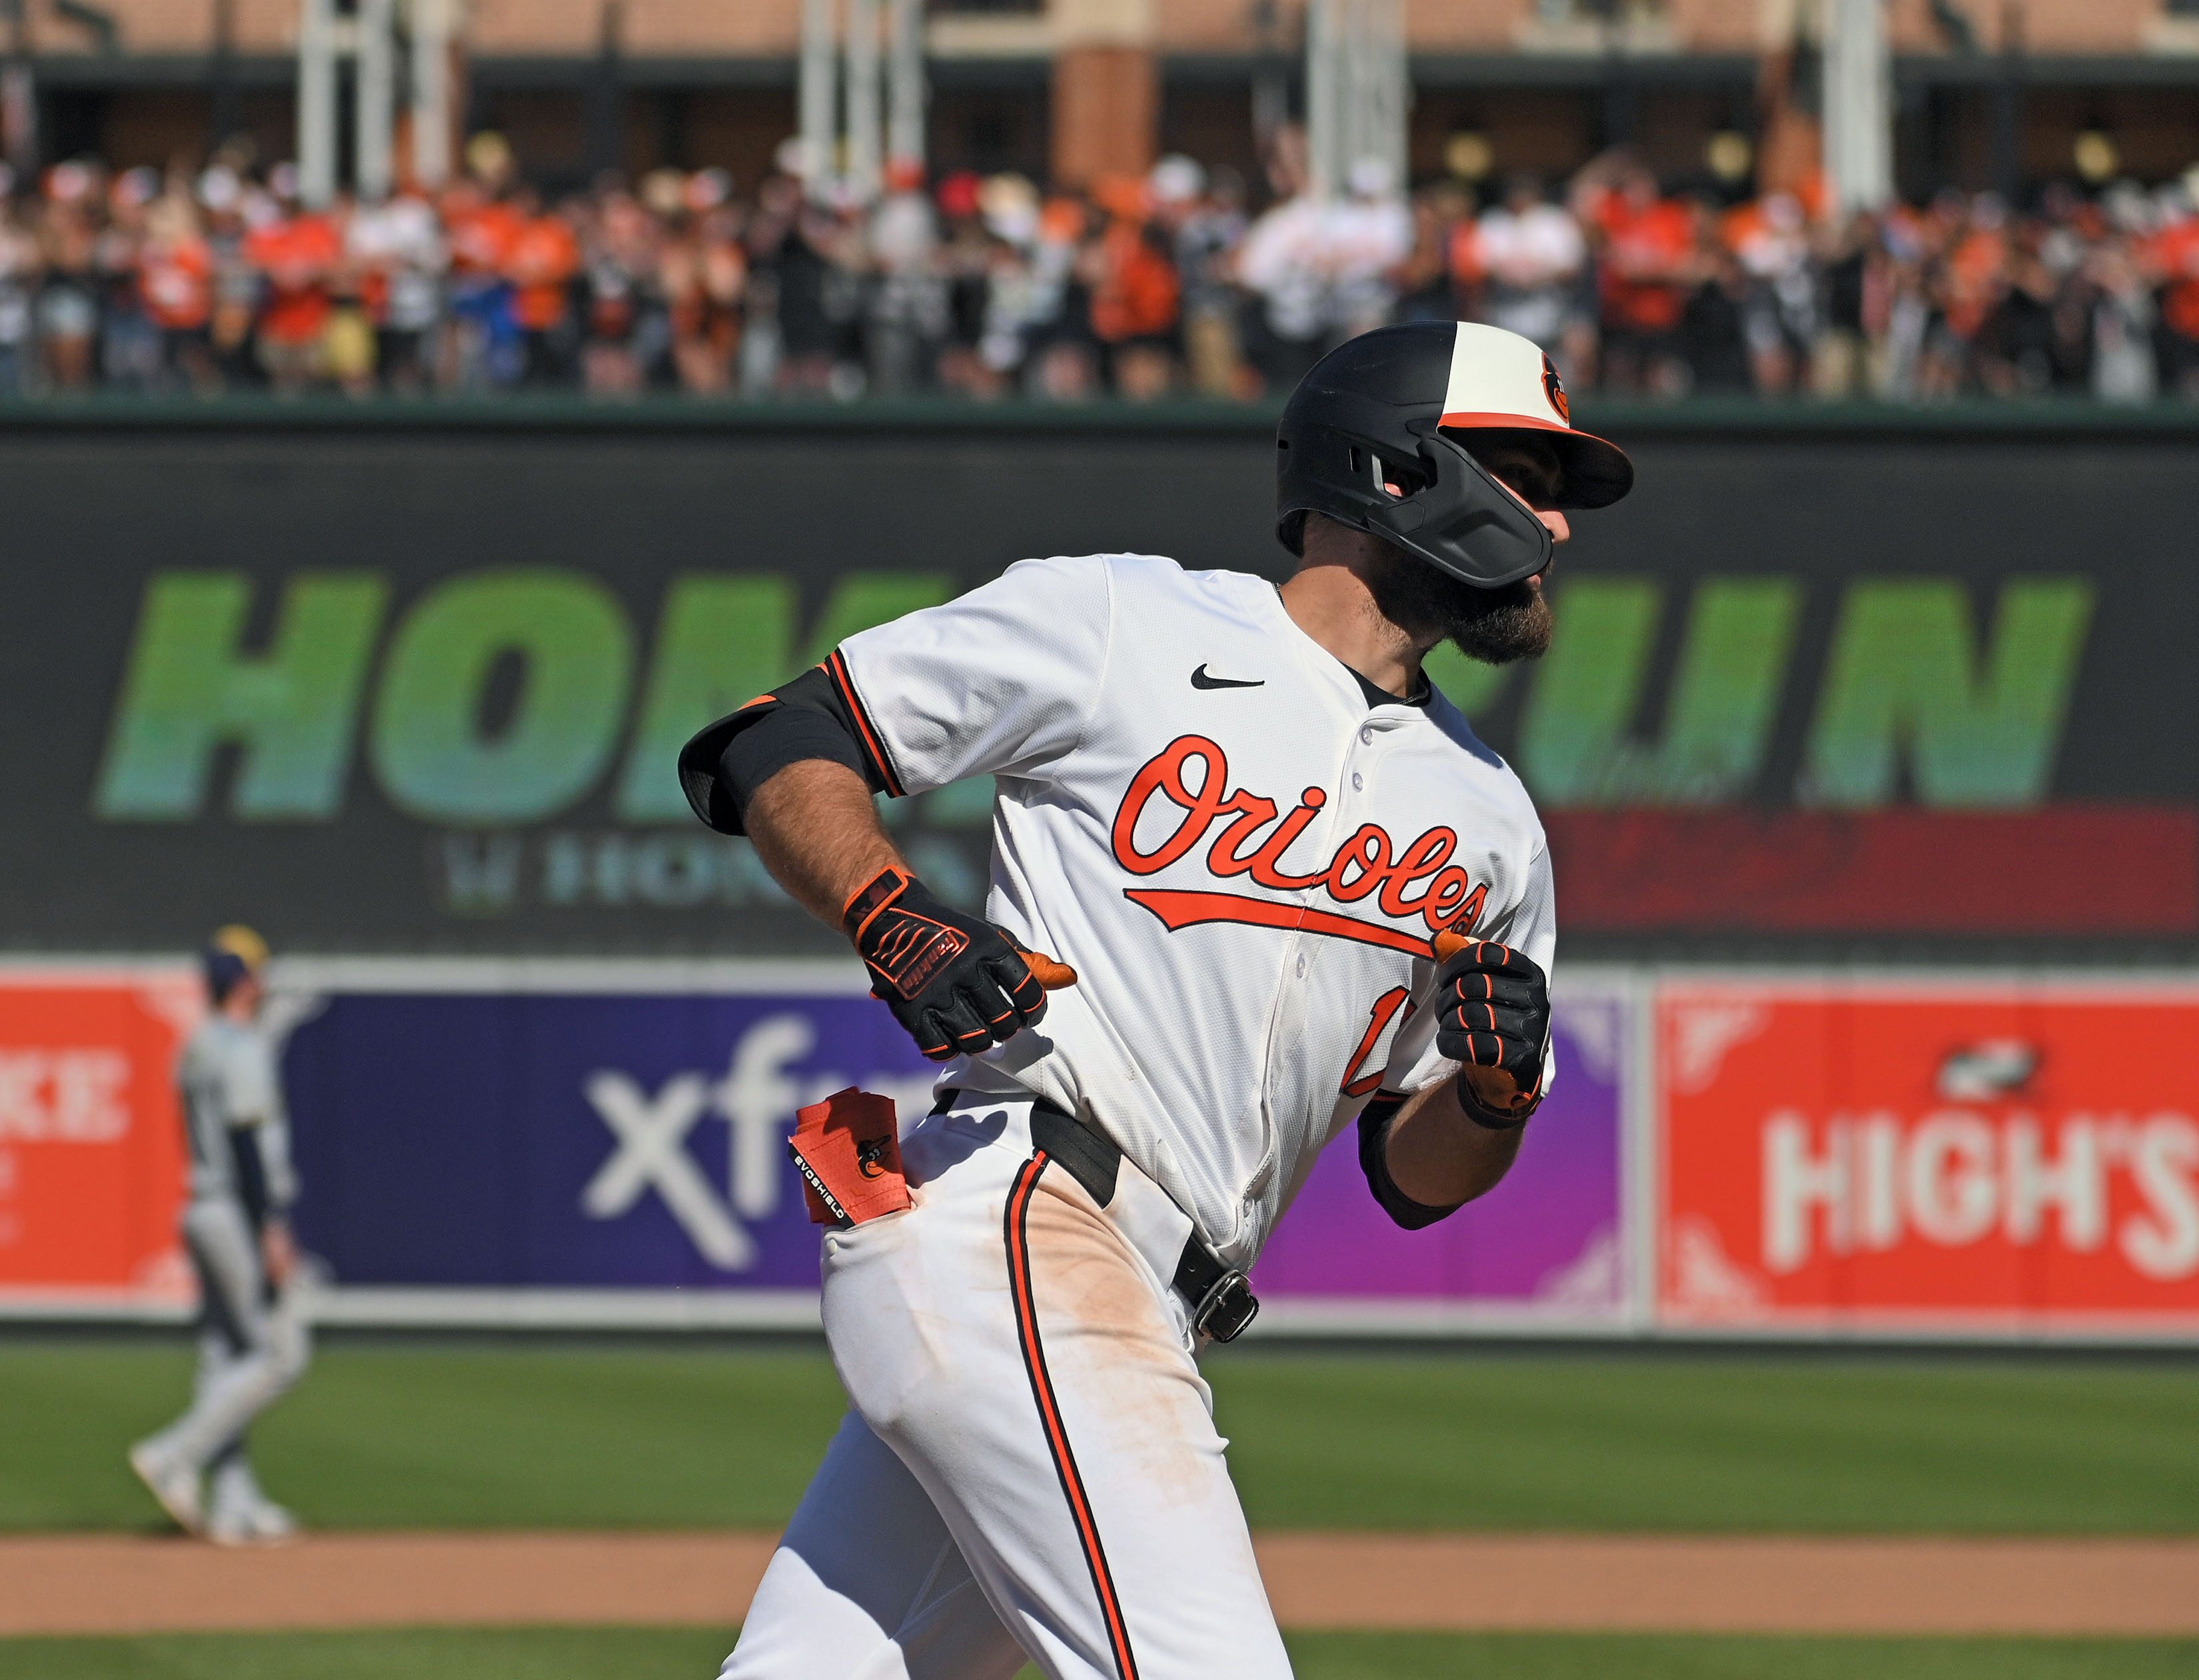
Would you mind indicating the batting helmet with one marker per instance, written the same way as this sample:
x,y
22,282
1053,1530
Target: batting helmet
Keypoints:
x,y
1370,438
235,953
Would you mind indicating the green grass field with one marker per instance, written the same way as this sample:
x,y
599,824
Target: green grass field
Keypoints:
x,y
454,1435
642,1653
535,1437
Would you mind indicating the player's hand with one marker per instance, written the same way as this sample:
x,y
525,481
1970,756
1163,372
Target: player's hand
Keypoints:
x,y
1493,1013
957,983
278,1253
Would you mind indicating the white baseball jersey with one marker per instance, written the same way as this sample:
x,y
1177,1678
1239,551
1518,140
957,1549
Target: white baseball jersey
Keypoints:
x,y
1199,811
228,1083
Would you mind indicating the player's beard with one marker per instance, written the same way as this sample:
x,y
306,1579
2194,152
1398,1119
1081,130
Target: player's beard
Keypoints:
x,y
1494,626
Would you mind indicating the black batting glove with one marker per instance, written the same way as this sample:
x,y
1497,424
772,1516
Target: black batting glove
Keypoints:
x,y
1493,1011
957,982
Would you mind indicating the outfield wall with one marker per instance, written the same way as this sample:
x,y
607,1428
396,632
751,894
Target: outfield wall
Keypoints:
x,y
1835,691
1826,687
600,1143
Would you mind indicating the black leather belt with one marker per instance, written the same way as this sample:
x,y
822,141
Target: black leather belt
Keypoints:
x,y
1221,1299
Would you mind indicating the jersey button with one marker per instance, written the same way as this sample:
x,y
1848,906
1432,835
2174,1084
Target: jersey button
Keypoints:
x,y
1358,781
1366,736
1301,964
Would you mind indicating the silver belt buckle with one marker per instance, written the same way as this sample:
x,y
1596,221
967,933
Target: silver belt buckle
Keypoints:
x,y
1227,1307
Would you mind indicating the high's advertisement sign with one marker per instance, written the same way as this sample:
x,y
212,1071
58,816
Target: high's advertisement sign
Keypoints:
x,y
1882,1157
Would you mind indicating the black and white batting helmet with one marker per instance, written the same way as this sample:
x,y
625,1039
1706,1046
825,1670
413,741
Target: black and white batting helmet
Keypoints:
x,y
1370,438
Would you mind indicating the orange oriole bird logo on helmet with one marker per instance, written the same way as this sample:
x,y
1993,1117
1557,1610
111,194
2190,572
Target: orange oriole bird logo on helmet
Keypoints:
x,y
1554,388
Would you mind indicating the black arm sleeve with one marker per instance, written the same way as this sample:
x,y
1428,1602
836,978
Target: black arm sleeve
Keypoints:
x,y
1375,1161
251,1173
721,769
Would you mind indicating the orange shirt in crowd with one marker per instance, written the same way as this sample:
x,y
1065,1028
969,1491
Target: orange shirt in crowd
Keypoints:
x,y
1643,246
1737,226
481,236
374,294
1136,296
175,280
541,260
2176,254
296,257
1464,257
1974,276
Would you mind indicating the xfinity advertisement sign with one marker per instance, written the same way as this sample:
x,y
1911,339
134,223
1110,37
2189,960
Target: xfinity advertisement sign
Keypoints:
x,y
604,1129
576,1139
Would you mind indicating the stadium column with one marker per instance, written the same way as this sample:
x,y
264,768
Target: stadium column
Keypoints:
x,y
1857,98
1106,88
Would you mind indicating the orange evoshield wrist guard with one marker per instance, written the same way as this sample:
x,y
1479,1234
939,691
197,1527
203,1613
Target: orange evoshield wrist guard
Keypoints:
x,y
849,1150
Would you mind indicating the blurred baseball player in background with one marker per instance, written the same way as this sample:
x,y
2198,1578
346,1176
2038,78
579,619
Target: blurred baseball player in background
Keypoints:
x,y
1296,891
253,1338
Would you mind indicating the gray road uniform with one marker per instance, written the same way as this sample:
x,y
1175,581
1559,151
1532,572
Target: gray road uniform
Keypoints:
x,y
254,1342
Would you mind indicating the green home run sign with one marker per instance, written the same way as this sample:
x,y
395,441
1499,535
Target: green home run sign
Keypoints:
x,y
391,692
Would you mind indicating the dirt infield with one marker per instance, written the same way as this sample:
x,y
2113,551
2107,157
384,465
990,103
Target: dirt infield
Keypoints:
x,y
121,1584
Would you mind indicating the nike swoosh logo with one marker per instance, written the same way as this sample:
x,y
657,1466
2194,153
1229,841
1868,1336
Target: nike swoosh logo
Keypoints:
x,y
1200,679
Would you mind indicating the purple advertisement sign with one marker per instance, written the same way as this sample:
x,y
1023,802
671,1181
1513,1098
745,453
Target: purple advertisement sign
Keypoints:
x,y
511,1141
1548,1239
616,1139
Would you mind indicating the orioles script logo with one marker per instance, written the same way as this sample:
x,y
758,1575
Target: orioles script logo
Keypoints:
x,y
1250,837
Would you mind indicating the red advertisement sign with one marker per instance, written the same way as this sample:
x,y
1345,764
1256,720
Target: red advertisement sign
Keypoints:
x,y
92,1152
1921,1157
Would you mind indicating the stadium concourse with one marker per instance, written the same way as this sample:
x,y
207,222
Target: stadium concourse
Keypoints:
x,y
213,277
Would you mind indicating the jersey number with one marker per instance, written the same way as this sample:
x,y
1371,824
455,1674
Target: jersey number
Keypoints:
x,y
1378,1021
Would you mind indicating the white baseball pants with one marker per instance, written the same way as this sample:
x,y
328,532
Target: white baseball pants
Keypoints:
x,y
1032,1469
250,1349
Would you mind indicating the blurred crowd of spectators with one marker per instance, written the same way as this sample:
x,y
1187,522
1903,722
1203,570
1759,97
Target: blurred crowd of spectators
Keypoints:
x,y
204,279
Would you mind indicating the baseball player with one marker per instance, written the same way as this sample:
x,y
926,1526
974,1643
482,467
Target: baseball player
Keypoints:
x,y
1253,878
252,1340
